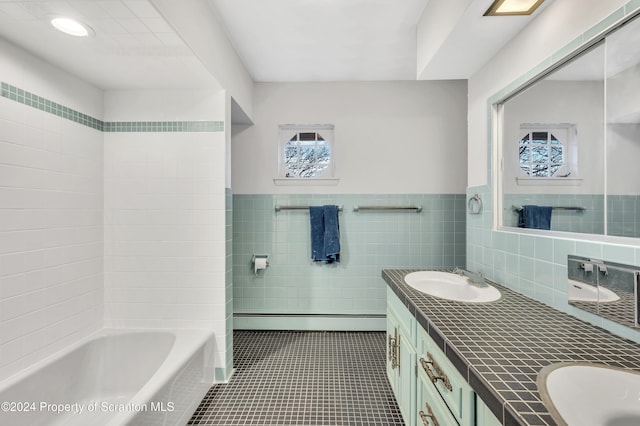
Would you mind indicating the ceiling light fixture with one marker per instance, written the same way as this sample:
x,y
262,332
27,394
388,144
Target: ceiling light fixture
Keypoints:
x,y
512,7
71,27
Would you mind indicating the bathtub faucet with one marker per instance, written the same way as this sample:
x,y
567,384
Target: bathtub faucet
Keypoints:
x,y
475,278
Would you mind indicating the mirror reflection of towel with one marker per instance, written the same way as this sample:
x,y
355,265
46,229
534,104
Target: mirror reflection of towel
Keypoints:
x,y
325,234
535,217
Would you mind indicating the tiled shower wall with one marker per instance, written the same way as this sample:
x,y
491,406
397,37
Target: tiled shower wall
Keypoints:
x,y
370,240
166,210
121,222
51,225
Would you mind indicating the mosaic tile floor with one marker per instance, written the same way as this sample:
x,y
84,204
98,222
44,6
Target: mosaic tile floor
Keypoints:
x,y
303,378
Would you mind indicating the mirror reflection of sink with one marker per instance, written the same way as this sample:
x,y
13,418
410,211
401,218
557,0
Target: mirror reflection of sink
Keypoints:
x,y
581,292
447,285
590,394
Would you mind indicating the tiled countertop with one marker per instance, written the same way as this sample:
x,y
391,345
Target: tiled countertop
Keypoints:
x,y
501,346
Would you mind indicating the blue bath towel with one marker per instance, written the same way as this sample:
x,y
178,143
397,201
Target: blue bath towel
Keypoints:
x,y
535,217
325,234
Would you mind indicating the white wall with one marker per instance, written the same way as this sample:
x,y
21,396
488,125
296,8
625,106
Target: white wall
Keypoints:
x,y
558,101
51,226
434,27
202,31
557,25
390,137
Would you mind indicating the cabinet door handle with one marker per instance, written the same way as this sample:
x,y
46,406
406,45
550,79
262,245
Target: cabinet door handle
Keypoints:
x,y
438,375
393,350
431,416
398,353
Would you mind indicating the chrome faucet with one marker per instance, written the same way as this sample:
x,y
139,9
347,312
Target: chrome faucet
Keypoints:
x,y
475,278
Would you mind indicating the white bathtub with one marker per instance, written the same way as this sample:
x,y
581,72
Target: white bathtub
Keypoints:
x,y
115,377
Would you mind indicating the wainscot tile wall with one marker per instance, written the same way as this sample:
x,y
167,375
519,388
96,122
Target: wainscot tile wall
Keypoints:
x,y
624,215
371,241
591,220
623,218
223,375
536,265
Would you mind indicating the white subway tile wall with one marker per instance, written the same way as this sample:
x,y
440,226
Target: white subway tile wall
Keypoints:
x,y
51,233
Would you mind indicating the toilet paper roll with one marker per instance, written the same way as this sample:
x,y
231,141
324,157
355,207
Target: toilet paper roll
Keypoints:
x,y
259,263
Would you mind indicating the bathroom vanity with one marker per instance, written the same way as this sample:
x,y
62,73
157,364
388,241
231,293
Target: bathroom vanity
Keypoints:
x,y
477,364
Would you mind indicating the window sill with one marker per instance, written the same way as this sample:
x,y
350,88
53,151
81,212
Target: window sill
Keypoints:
x,y
306,182
549,181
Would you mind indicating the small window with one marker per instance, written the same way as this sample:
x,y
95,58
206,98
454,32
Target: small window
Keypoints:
x,y
547,151
306,152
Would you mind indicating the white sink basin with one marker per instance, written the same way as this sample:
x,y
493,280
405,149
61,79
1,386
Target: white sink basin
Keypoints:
x,y
590,394
581,292
446,285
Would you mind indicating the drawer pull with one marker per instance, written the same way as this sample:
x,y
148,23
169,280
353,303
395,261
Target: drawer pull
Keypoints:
x,y
438,375
431,416
393,350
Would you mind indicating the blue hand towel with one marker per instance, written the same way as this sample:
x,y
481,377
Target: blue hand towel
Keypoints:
x,y
535,217
325,234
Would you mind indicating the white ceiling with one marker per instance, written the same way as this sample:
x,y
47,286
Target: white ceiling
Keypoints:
x,y
133,46
278,40
345,40
324,40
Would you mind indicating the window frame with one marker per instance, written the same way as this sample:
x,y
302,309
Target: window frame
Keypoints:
x,y
285,133
569,169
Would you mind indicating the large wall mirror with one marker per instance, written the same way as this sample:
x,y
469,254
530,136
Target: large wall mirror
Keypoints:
x,y
570,143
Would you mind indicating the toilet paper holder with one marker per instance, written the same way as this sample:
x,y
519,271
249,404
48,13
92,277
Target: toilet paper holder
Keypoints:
x,y
260,261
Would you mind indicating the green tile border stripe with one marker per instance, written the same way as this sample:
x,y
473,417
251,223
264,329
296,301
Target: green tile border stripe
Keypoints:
x,y
164,126
27,98
30,99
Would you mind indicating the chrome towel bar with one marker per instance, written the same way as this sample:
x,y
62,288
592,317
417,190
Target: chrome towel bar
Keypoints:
x,y
278,208
579,209
417,209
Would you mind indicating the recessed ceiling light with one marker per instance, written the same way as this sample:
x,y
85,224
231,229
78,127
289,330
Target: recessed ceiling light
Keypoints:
x,y
512,7
71,27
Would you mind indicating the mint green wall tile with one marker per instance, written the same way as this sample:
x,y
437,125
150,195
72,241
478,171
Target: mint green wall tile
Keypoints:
x,y
619,254
568,49
544,249
371,241
527,246
605,24
543,273
589,249
560,277
632,7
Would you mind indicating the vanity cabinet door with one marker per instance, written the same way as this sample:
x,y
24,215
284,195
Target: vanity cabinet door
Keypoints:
x,y
406,393
484,416
454,389
392,350
401,356
430,408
